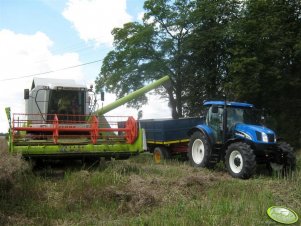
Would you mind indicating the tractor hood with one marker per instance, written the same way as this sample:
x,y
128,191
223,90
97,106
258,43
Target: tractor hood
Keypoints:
x,y
257,134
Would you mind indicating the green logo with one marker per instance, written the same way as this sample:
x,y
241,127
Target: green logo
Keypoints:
x,y
282,214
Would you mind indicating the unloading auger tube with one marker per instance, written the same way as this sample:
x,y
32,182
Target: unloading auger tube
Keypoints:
x,y
130,124
132,96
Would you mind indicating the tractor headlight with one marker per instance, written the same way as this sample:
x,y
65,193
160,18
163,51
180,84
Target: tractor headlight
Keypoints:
x,y
264,137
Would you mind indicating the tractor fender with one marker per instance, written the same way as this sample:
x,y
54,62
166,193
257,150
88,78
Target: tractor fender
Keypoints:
x,y
238,139
234,140
206,130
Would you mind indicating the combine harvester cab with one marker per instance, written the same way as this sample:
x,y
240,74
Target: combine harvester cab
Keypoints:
x,y
60,121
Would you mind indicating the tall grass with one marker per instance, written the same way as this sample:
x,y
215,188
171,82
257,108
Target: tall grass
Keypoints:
x,y
139,192
10,166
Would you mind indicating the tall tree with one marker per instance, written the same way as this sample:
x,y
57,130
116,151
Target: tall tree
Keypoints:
x,y
209,44
265,64
147,51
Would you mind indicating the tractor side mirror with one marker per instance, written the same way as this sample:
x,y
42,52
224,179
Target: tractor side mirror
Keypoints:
x,y
26,94
214,109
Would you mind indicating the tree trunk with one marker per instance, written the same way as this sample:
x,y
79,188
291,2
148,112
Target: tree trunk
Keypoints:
x,y
173,104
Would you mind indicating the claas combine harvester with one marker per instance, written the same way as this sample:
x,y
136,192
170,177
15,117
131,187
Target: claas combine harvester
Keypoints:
x,y
60,121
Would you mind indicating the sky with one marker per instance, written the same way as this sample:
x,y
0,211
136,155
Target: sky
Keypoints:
x,y
47,38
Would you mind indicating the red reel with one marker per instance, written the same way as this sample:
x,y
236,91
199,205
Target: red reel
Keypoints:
x,y
131,130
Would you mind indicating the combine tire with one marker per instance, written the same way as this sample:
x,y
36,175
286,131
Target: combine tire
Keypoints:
x,y
199,150
289,161
160,154
240,160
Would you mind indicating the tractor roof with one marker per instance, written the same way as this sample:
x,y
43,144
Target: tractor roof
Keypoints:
x,y
53,83
229,103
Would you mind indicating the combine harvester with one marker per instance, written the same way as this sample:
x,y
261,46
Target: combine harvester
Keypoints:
x,y
60,121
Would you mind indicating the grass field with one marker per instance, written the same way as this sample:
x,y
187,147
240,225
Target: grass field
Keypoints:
x,y
139,192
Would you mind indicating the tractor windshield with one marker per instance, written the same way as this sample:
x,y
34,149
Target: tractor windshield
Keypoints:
x,y
242,115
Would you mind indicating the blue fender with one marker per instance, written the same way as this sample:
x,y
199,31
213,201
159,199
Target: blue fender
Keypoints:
x,y
205,130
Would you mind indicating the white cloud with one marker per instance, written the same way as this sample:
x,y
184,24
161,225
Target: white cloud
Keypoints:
x,y
155,109
95,19
140,16
23,55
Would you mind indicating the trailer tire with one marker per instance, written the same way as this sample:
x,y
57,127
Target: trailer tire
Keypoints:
x,y
160,154
199,150
240,160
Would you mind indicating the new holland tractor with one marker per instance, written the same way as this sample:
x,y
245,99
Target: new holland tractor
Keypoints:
x,y
232,132
60,121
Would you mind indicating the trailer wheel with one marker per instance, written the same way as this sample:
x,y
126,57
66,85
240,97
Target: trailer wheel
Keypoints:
x,y
240,160
199,150
160,154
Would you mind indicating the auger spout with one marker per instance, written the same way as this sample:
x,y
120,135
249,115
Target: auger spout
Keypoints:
x,y
132,96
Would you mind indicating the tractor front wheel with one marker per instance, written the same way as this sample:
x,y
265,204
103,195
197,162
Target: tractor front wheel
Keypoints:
x,y
240,160
161,153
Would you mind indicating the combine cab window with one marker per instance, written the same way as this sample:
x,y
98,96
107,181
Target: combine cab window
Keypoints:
x,y
66,102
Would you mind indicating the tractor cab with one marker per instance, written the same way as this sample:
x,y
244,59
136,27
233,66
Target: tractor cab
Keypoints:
x,y
234,120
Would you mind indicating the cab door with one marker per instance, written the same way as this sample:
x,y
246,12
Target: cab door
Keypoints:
x,y
214,120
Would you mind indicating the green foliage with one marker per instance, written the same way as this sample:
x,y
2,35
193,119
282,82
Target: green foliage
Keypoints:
x,y
209,45
244,50
265,64
144,52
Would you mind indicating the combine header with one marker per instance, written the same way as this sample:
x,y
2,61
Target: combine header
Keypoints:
x,y
60,121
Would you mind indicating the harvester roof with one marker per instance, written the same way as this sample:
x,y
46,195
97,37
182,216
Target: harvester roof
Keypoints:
x,y
54,83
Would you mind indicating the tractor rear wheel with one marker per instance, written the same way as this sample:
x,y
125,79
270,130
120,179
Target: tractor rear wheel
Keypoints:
x,y
199,150
240,160
160,154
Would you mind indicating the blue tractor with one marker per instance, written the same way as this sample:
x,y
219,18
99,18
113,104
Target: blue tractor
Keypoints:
x,y
232,132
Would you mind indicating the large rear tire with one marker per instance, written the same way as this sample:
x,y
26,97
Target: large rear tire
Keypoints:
x,y
199,150
160,154
240,160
